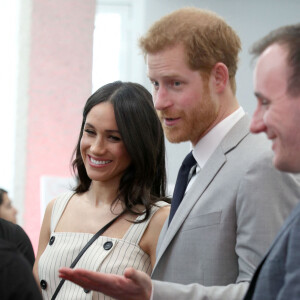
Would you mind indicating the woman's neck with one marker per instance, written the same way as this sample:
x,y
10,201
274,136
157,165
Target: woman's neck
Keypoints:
x,y
100,194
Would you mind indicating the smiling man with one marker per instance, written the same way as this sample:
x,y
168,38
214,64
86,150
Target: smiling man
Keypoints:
x,y
278,108
277,88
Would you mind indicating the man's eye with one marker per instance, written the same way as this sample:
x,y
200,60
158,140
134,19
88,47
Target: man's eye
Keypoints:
x,y
264,102
155,84
177,83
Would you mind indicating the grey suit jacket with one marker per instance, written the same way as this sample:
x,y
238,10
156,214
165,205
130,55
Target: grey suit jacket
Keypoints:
x,y
278,276
225,223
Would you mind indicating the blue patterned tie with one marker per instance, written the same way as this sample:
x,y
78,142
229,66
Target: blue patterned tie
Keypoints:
x,y
181,183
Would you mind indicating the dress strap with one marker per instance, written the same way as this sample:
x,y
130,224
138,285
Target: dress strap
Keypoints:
x,y
136,231
58,208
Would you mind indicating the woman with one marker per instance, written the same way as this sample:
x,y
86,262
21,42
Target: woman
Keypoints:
x,y
7,210
120,167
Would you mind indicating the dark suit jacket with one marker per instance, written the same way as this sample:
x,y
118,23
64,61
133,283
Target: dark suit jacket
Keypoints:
x,y
278,276
16,278
16,235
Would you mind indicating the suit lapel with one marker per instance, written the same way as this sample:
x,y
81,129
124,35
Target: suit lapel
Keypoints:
x,y
204,178
194,193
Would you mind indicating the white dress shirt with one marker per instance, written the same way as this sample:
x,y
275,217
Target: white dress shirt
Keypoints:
x,y
208,144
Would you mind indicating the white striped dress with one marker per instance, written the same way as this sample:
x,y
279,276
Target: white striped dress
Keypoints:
x,y
106,254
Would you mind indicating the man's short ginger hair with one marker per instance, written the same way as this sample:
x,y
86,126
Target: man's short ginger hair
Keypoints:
x,y
206,37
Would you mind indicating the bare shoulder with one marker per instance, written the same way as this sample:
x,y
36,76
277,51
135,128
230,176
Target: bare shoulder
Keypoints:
x,y
44,236
154,227
149,240
159,217
49,207
45,229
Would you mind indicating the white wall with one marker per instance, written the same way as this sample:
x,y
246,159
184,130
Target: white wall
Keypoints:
x,y
251,20
8,80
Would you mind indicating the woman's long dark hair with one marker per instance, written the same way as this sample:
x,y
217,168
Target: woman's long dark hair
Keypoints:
x,y
144,181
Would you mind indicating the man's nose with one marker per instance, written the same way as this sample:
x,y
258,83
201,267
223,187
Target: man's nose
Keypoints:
x,y
257,123
161,99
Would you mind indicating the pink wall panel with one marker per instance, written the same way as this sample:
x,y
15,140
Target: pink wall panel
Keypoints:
x,y
60,82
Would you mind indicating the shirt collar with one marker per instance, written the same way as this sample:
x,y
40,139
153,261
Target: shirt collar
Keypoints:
x,y
208,144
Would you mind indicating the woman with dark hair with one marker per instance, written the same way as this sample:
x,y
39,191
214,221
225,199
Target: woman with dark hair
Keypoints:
x,y
7,210
119,162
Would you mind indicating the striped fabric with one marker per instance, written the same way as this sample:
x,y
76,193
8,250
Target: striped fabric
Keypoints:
x,y
108,255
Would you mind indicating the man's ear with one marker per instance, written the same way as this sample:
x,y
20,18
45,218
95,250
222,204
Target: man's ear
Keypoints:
x,y
220,77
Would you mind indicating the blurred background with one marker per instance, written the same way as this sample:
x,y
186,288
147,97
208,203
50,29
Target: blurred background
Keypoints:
x,y
55,53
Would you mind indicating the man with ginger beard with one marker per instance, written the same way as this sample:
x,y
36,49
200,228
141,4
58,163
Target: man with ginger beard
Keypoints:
x,y
214,239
